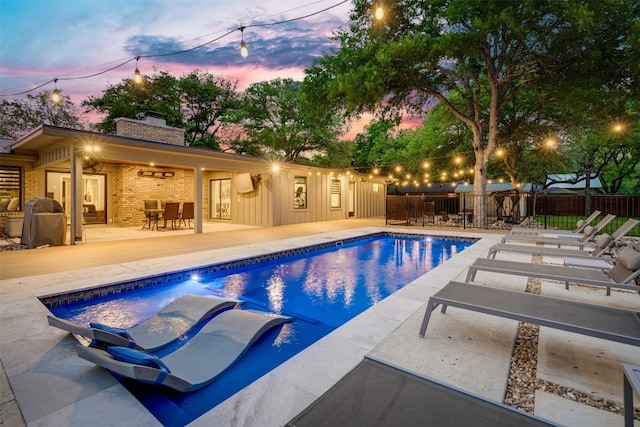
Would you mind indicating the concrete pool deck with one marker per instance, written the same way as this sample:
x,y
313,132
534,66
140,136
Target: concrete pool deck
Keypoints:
x,y
46,384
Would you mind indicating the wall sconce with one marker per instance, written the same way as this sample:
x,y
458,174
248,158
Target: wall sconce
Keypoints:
x,y
145,173
170,174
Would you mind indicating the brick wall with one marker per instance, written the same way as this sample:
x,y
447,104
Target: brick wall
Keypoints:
x,y
130,190
149,130
31,185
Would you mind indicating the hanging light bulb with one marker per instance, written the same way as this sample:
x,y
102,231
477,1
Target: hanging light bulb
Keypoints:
x,y
379,11
137,77
55,95
244,52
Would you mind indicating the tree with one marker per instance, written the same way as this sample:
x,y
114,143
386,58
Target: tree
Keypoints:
x,y
159,92
370,146
21,116
600,152
486,52
280,118
338,155
208,102
200,103
434,148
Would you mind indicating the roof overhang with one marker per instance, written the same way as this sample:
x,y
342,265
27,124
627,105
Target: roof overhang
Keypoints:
x,y
116,149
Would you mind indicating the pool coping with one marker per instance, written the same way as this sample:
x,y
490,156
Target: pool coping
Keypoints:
x,y
44,362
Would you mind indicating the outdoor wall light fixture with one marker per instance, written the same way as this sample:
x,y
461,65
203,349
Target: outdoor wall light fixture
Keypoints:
x,y
244,52
91,149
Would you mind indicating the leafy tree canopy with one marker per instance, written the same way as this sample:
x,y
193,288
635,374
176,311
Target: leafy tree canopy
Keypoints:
x,y
486,52
21,116
198,102
159,92
280,118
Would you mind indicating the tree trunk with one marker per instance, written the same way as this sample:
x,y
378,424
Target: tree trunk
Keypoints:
x,y
479,192
587,193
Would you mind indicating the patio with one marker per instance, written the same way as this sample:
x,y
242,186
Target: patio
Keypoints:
x,y
43,361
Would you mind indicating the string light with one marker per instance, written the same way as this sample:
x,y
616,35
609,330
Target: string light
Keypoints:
x,y
158,55
55,95
137,77
244,52
379,10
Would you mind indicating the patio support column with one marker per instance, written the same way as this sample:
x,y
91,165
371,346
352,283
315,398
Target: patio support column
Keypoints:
x,y
75,233
197,206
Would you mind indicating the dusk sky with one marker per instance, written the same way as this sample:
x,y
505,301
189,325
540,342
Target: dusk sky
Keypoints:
x,y
45,39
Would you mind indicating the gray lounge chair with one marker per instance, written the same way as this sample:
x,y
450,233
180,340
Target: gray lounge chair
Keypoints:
x,y
217,346
626,270
609,323
166,326
377,393
582,240
603,244
580,226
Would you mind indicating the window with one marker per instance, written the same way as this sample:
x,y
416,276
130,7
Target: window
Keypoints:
x,y
336,193
299,192
10,188
94,192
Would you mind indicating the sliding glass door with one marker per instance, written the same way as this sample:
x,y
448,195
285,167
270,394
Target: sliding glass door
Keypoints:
x,y
220,205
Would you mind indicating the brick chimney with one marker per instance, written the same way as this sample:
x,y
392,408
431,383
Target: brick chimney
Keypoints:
x,y
149,126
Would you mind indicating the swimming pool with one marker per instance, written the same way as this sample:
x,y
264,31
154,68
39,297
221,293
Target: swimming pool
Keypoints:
x,y
321,287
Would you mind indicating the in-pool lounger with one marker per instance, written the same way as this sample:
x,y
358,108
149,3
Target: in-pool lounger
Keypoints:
x,y
216,347
173,321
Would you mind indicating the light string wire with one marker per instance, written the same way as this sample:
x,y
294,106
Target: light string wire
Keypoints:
x,y
158,55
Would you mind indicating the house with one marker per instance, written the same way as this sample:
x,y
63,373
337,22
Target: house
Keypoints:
x,y
572,181
147,159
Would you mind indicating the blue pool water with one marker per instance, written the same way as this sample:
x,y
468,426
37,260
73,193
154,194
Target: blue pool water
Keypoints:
x,y
320,290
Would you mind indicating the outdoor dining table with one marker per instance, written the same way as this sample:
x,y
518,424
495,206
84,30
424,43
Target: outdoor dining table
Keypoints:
x,y
149,213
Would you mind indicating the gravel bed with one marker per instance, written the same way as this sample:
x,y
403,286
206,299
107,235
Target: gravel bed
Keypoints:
x,y
523,382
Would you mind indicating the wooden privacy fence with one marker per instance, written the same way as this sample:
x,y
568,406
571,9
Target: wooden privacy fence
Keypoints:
x,y
626,206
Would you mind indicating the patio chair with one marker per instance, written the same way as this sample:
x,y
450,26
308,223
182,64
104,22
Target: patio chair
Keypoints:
x,y
603,245
609,323
187,213
581,240
206,356
169,324
377,393
171,214
89,213
580,226
151,213
626,270
447,219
